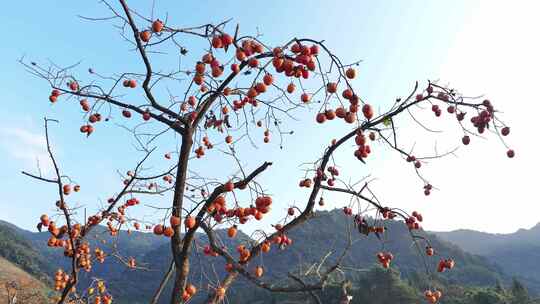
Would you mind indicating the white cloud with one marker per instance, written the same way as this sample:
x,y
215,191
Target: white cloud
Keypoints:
x,y
26,146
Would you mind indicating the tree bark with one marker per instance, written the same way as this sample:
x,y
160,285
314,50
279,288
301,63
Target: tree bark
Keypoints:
x,y
182,264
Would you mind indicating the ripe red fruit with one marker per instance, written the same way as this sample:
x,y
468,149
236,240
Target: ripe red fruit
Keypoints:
x,y
235,68
350,73
260,87
331,87
330,114
418,164
257,48
259,271
216,42
132,83
268,79
53,98
157,26
207,58
168,232
126,113
158,229
93,118
347,94
220,292
350,117
314,50
189,222
66,189
451,109
466,140
305,98
226,39
253,62
290,88
368,111
296,48
510,153
175,221
505,131
55,92
290,211
240,55
229,186
231,232
360,139
146,116
252,93
191,289
198,79
185,296
200,68
340,112
145,35
74,86
228,139
216,72
321,117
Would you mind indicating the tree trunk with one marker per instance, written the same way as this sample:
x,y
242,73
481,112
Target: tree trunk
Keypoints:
x,y
182,264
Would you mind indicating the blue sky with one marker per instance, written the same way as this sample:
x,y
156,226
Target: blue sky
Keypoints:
x,y
462,43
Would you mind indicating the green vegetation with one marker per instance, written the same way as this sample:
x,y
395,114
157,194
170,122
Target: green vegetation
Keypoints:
x,y
19,251
474,279
381,286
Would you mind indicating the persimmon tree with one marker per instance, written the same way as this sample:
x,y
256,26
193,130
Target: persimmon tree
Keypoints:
x,y
233,88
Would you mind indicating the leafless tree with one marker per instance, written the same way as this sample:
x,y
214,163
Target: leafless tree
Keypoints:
x,y
234,89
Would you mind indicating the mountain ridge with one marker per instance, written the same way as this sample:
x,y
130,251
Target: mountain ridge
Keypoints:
x,y
327,230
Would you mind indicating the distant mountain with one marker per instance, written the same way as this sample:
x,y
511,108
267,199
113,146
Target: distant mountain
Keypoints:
x,y
485,243
324,236
517,253
17,248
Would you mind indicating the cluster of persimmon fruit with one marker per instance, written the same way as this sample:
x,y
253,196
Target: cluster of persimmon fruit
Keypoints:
x,y
100,255
199,152
60,279
481,121
102,297
385,258
413,221
219,209
433,296
189,292
445,264
363,149
156,27
84,258
281,239
350,114
175,221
